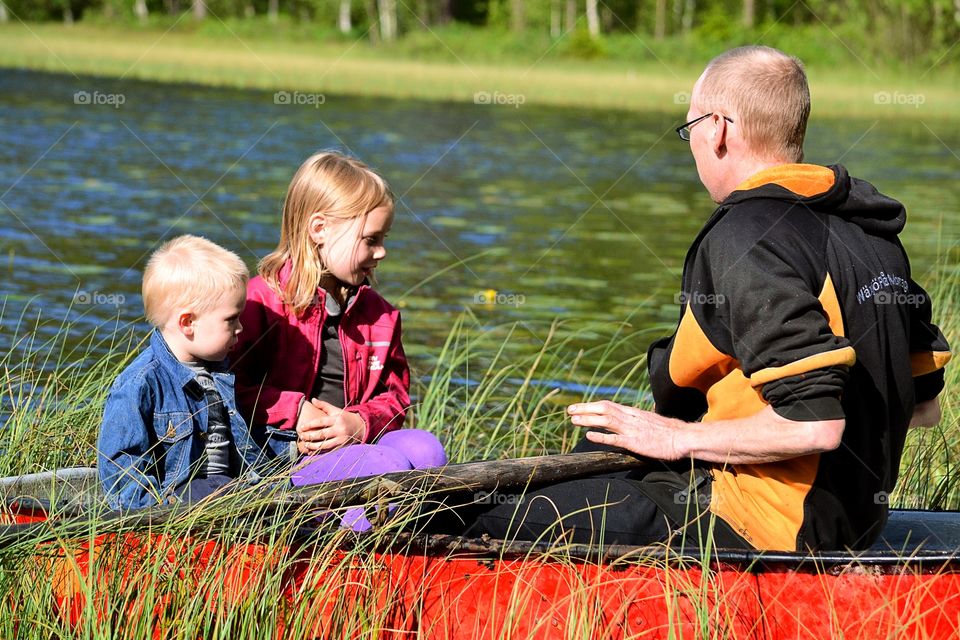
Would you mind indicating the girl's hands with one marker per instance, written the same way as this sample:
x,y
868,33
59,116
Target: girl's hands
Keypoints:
x,y
323,427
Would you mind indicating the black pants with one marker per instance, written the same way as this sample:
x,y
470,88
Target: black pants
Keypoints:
x,y
657,504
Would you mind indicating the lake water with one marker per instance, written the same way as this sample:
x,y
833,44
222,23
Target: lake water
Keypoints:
x,y
568,213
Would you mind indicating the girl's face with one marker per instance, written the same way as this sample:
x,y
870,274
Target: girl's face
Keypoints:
x,y
352,249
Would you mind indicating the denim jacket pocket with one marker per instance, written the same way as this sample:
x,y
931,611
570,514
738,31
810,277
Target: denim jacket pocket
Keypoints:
x,y
172,426
174,430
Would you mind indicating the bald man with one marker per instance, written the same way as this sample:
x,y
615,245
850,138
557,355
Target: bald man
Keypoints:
x,y
803,352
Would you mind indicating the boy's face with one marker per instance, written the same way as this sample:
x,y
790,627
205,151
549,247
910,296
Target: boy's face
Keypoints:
x,y
216,330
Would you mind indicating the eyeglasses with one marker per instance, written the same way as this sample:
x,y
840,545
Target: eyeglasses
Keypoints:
x,y
684,130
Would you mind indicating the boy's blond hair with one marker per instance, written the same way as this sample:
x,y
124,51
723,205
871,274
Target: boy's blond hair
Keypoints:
x,y
190,272
767,89
339,187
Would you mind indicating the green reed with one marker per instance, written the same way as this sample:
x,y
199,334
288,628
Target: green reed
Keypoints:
x,y
263,562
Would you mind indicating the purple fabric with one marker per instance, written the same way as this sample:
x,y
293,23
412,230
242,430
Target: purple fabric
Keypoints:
x,y
400,450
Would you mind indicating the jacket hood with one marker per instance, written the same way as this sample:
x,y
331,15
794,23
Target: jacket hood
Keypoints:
x,y
828,190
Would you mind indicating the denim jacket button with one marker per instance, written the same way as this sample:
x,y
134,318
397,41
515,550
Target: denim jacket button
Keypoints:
x,y
171,431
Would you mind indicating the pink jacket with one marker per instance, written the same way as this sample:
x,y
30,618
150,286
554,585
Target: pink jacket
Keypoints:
x,y
276,359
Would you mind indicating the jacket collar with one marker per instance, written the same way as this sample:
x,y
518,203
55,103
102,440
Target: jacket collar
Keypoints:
x,y
816,186
180,372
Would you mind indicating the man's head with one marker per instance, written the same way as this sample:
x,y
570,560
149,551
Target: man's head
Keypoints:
x,y
760,102
193,292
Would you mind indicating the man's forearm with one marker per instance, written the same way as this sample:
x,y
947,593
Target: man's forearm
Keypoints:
x,y
763,437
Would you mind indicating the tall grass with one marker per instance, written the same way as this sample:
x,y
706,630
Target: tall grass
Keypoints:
x,y
266,562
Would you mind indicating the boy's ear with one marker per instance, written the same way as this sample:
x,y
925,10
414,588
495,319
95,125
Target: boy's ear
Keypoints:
x,y
185,323
316,227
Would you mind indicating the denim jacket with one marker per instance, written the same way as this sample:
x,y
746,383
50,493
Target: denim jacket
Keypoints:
x,y
154,424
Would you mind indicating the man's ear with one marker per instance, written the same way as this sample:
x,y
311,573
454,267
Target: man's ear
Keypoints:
x,y
719,135
185,323
317,228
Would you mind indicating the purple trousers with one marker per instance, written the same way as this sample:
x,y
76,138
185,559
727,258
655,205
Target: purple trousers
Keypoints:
x,y
399,450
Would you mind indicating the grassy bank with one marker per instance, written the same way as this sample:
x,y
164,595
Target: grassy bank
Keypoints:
x,y
449,64
241,567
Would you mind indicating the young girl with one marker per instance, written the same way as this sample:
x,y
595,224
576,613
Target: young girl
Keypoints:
x,y
319,365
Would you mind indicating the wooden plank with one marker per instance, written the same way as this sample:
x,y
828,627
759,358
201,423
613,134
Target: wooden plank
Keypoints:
x,y
486,476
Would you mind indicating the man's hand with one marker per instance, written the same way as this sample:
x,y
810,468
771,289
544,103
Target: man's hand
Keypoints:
x,y
636,430
323,427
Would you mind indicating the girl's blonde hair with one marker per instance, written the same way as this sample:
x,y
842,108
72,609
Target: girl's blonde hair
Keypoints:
x,y
340,188
190,272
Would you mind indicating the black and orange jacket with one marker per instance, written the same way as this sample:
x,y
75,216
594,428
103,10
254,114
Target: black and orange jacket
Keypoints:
x,y
797,294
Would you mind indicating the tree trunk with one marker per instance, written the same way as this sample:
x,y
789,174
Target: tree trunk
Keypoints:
x,y
606,19
445,12
140,10
660,20
937,23
372,20
688,9
343,20
172,7
423,13
518,15
749,13
249,11
199,9
388,19
67,13
555,18
273,10
593,19
4,16
571,21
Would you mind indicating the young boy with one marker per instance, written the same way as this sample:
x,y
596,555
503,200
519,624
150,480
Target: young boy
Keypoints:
x,y
171,430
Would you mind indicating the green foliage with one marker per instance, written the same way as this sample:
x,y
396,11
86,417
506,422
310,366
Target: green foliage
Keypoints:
x,y
892,32
581,45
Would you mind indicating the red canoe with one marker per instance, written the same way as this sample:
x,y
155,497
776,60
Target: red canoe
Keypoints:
x,y
906,586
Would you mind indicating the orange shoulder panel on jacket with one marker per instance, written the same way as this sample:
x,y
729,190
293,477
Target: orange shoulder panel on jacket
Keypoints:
x,y
805,180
